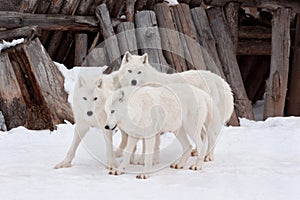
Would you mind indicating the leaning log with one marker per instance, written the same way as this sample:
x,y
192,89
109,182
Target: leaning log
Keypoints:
x,y
228,59
41,84
28,32
278,79
126,38
149,40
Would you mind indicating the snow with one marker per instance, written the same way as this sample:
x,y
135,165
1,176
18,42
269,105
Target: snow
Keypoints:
x,y
6,45
259,160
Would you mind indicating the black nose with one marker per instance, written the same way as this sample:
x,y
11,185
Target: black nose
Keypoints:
x,y
133,82
89,113
106,127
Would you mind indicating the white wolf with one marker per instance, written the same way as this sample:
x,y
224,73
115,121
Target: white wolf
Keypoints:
x,y
85,103
144,112
136,70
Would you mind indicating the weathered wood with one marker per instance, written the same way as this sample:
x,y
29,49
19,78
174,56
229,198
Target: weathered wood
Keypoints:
x,y
148,39
278,79
129,12
254,47
12,20
12,103
254,32
110,39
140,4
43,6
25,32
10,5
170,40
97,57
126,38
84,7
28,6
81,42
293,104
206,38
189,38
229,62
41,84
65,48
117,9
232,16
195,3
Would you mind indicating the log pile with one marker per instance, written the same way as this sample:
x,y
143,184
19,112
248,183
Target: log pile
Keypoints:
x,y
245,42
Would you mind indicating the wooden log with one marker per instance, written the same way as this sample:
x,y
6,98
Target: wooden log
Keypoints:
x,y
117,9
129,10
278,79
96,57
254,32
65,49
206,38
232,16
189,38
148,39
126,38
12,20
140,4
170,40
41,84
43,6
195,3
28,32
28,6
10,5
254,47
110,39
229,62
12,104
293,103
81,43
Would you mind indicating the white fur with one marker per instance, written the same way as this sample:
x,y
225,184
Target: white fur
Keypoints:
x,y
136,69
88,110
144,112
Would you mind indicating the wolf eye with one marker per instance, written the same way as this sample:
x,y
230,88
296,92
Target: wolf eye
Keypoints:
x,y
112,111
84,98
129,71
139,72
95,98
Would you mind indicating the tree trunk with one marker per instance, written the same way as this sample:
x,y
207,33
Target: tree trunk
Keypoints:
x,y
278,79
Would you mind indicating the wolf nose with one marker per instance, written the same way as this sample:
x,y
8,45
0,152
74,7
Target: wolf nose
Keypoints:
x,y
106,127
89,113
133,82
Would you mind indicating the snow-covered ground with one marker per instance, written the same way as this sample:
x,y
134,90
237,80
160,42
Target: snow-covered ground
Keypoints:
x,y
259,160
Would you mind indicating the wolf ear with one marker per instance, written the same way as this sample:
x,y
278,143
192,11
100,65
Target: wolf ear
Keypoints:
x,y
144,58
121,96
99,83
81,82
127,57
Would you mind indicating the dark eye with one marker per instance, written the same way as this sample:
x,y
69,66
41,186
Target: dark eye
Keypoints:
x,y
139,72
84,98
112,111
129,71
95,98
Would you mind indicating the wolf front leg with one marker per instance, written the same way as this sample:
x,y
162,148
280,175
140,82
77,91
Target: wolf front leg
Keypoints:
x,y
111,159
79,133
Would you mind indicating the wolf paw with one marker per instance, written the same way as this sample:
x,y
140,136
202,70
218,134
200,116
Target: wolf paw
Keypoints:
x,y
195,167
142,176
208,158
194,153
176,166
115,172
63,164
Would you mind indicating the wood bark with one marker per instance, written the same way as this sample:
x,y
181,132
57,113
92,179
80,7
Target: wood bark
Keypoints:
x,y
126,38
28,6
43,6
228,59
81,43
232,16
277,82
110,39
12,104
96,57
189,38
28,32
129,10
293,104
148,39
170,40
41,84
254,32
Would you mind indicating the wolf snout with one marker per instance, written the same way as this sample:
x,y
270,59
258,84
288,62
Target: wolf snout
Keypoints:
x,y
89,113
133,82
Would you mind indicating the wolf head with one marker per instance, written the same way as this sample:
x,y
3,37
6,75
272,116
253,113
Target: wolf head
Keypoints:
x,y
133,69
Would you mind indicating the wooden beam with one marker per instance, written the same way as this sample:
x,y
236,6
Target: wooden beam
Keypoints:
x,y
278,79
254,32
25,32
254,47
227,56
